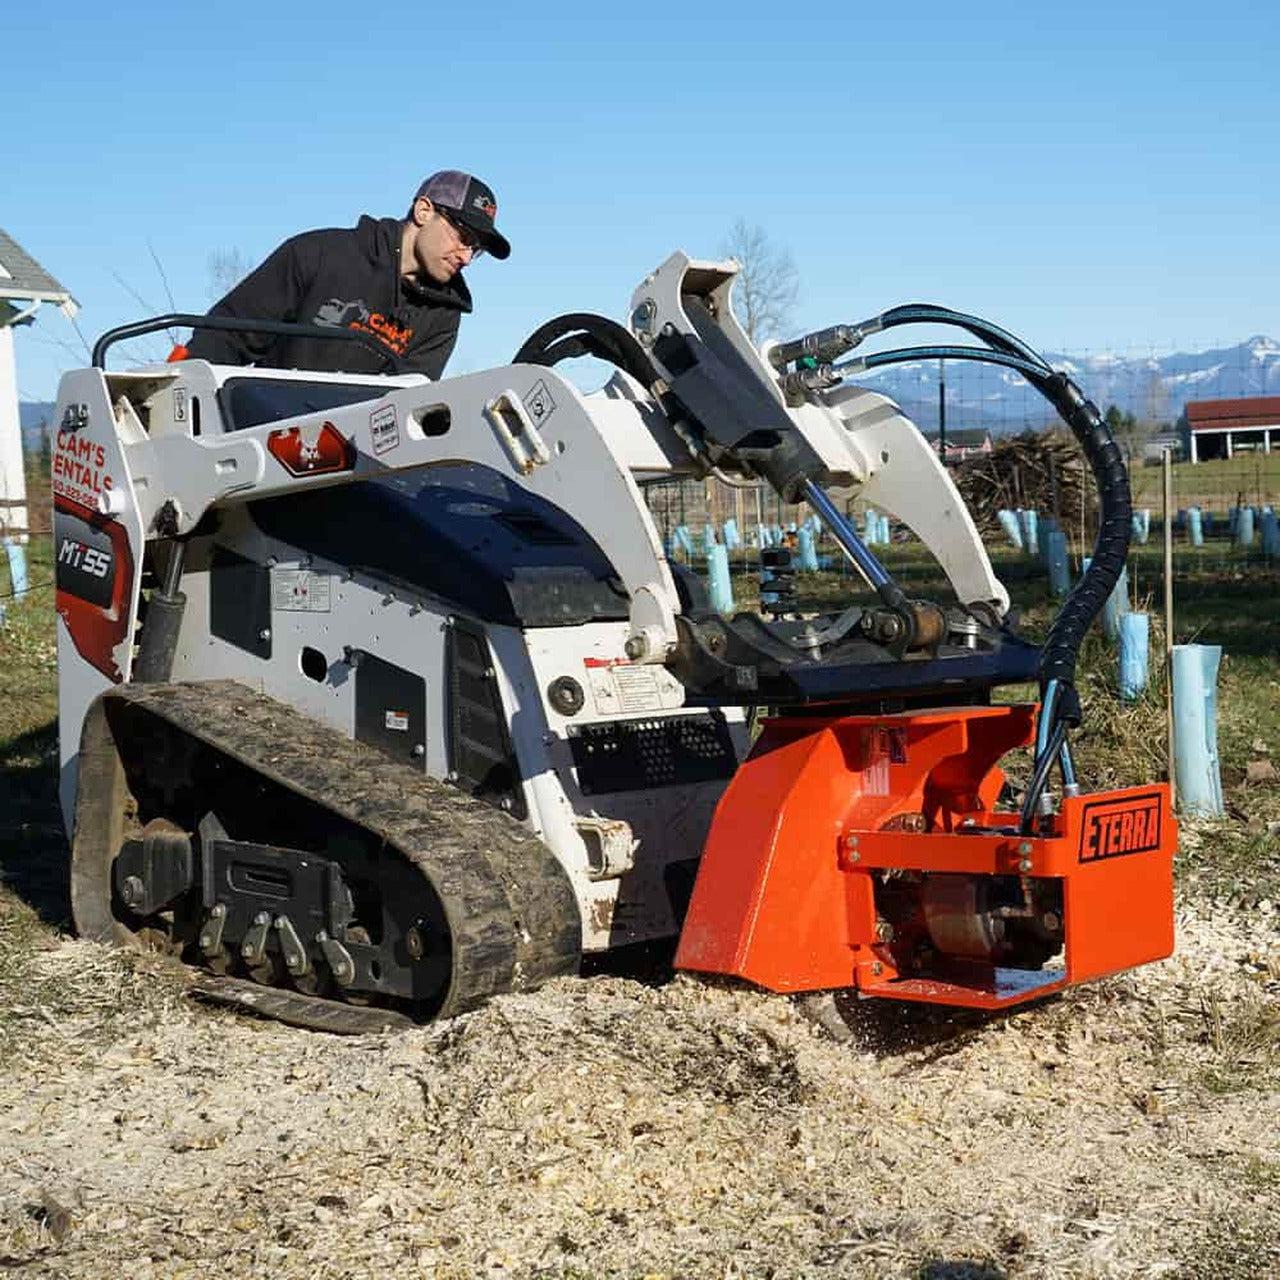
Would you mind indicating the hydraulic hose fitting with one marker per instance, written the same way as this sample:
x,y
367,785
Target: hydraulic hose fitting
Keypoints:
x,y
799,384
823,345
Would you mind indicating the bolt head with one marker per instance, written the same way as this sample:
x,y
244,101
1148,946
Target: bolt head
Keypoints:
x,y
1025,848
635,647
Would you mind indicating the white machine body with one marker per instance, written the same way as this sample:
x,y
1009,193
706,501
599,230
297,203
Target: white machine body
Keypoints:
x,y
324,625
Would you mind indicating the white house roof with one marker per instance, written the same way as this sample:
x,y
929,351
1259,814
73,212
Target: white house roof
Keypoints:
x,y
21,276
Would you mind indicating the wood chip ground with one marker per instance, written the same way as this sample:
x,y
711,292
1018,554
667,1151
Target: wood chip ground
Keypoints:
x,y
605,1128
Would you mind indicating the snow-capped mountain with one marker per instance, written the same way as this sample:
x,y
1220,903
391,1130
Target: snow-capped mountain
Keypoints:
x,y
1153,388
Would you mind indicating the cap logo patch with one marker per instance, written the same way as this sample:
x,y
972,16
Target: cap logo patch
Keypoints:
x,y
486,206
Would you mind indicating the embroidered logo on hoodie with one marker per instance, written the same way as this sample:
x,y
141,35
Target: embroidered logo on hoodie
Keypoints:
x,y
356,315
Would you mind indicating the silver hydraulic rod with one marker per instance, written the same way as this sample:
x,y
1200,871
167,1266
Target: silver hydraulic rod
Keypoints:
x,y
846,535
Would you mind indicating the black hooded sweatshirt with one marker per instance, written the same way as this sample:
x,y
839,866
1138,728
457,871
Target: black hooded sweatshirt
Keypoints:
x,y
347,277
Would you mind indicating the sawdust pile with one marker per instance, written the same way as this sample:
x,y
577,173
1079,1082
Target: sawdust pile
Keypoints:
x,y
606,1128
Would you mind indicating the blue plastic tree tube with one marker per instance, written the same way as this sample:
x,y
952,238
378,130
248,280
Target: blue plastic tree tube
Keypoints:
x,y
17,554
1142,526
1030,542
1244,527
1117,605
1135,641
808,555
684,540
869,519
1195,728
1195,529
1045,529
731,539
1059,570
1270,535
719,586
1009,523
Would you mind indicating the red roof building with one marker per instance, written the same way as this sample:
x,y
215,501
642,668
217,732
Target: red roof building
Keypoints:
x,y
1216,428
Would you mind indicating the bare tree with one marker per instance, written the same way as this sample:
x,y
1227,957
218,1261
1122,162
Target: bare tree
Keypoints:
x,y
768,285
227,267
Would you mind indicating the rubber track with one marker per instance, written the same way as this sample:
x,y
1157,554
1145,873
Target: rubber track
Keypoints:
x,y
511,909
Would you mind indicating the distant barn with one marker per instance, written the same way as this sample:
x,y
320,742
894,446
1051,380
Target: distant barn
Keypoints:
x,y
967,442
1223,428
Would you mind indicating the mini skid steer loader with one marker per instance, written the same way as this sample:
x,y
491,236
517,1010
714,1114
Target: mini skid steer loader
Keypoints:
x,y
379,696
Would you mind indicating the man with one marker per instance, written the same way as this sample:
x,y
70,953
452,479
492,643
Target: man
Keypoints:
x,y
398,280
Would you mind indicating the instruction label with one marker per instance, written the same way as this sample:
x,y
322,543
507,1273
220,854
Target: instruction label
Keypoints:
x,y
397,720
300,591
623,687
384,428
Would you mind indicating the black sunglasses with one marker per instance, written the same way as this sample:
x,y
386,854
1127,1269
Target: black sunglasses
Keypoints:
x,y
468,237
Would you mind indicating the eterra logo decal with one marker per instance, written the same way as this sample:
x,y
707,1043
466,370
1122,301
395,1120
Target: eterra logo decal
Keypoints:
x,y
1117,827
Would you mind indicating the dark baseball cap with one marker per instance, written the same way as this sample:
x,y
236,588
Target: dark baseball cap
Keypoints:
x,y
471,202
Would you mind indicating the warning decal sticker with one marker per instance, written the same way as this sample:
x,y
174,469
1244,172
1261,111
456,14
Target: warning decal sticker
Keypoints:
x,y
300,591
539,403
384,429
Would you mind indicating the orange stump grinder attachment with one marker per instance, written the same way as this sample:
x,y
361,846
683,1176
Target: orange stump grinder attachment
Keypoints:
x,y
860,844
868,851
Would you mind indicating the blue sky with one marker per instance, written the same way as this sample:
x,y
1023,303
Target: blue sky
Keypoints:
x,y
1090,176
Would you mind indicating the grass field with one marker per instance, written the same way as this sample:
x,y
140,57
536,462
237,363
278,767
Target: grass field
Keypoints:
x,y
1247,479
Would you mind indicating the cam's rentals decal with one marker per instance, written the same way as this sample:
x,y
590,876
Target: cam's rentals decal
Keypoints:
x,y
1116,827
93,572
79,468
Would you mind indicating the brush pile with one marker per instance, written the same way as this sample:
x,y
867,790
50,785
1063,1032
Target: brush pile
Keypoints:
x,y
1043,471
